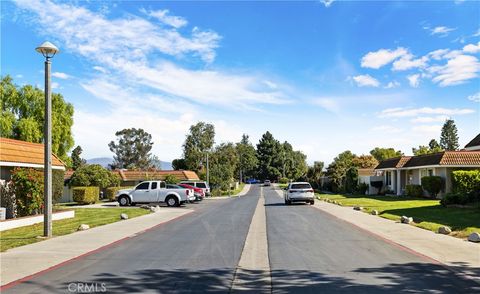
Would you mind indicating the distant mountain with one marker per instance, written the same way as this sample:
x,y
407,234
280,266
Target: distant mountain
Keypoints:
x,y
105,161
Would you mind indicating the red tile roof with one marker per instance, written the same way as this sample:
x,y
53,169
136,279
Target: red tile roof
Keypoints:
x,y
21,152
458,158
142,175
396,162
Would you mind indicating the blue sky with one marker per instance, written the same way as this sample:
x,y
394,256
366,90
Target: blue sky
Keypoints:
x,y
327,77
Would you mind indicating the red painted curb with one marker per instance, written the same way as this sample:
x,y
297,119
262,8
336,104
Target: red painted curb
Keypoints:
x,y
104,247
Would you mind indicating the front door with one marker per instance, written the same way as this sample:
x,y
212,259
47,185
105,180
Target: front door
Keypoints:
x,y
142,193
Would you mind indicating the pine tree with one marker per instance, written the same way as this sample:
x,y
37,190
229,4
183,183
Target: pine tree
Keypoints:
x,y
449,136
77,161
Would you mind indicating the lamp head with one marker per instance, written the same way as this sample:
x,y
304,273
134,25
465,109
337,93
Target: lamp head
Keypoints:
x,y
47,49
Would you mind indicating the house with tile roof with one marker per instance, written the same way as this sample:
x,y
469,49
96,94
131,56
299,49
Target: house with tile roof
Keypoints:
x,y
133,177
409,170
16,153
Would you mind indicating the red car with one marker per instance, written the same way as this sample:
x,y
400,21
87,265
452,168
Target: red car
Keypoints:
x,y
198,192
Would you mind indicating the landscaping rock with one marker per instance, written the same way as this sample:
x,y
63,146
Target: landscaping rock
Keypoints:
x,y
123,216
444,230
474,237
375,212
154,208
358,208
406,220
83,227
144,206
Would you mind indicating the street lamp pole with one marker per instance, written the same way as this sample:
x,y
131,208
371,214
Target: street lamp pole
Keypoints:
x,y
48,50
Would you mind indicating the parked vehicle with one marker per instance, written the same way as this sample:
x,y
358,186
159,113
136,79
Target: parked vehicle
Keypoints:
x,y
252,181
154,191
267,183
199,184
198,192
299,192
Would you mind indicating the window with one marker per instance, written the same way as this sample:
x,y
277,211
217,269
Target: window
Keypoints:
x,y
389,178
300,186
426,172
154,185
410,176
143,186
163,185
201,185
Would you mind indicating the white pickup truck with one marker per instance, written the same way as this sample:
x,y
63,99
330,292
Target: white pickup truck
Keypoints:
x,y
154,191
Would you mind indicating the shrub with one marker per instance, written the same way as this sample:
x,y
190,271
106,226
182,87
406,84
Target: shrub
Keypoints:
x,y
362,188
466,181
283,181
111,191
454,198
85,195
94,175
171,179
27,184
57,184
433,185
7,199
414,190
377,184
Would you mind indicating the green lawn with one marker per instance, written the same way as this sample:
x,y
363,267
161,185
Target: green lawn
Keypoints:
x,y
93,217
426,213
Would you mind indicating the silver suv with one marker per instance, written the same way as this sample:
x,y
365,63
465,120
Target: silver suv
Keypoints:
x,y
299,192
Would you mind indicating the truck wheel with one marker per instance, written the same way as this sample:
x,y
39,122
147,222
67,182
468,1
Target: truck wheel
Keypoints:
x,y
312,202
172,201
124,201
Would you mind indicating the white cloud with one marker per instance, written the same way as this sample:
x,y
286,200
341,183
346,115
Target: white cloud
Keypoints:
x,y
414,80
438,54
476,34
171,20
19,76
442,31
328,104
327,3
427,130
411,112
100,69
60,75
382,57
458,70
472,48
366,81
393,84
55,85
429,119
475,97
407,62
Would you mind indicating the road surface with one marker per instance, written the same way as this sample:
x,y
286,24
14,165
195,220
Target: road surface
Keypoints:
x,y
309,252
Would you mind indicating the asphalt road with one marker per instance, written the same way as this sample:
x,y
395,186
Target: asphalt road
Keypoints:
x,y
197,253
309,251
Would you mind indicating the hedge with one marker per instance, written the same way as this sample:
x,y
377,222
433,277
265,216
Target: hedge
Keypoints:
x,y
111,191
466,181
414,190
283,181
433,185
86,195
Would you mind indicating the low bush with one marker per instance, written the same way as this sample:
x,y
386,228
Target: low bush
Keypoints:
x,y
433,185
171,179
455,198
86,195
283,181
414,190
362,188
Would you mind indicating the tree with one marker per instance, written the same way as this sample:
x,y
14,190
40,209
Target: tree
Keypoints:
x,y
22,116
365,161
155,162
433,147
449,136
198,142
247,158
268,154
77,161
94,175
385,153
337,170
315,173
179,164
132,149
223,164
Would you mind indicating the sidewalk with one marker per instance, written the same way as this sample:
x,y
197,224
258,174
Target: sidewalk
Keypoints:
x,y
459,255
21,262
